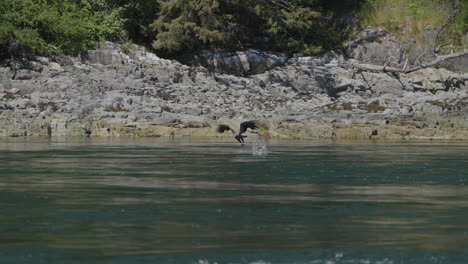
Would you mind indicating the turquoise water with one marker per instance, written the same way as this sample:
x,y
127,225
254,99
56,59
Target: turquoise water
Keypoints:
x,y
154,201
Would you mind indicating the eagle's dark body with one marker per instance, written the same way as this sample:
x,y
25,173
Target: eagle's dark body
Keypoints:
x,y
242,129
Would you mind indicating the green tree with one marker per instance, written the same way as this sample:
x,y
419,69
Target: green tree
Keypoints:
x,y
190,24
294,26
29,27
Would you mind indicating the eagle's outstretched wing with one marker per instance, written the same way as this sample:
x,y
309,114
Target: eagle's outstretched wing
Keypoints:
x,y
248,124
243,128
221,128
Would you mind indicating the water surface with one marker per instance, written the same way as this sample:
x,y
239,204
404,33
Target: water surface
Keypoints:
x,y
155,201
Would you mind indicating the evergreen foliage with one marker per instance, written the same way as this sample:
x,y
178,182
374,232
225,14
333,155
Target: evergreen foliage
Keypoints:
x,y
45,27
294,26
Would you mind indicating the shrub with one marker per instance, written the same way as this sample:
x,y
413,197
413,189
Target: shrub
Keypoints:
x,y
414,16
30,27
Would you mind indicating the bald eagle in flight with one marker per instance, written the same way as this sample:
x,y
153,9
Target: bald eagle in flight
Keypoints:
x,y
242,129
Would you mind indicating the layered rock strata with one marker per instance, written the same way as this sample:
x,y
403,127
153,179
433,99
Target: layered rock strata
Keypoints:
x,y
107,92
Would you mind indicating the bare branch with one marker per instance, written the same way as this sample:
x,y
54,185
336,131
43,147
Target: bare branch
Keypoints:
x,y
406,63
442,45
281,4
395,60
419,57
439,59
450,18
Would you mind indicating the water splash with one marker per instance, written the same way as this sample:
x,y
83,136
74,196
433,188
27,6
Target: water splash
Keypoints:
x,y
259,147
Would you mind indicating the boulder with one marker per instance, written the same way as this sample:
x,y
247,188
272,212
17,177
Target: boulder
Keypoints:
x,y
107,54
53,66
240,63
459,64
436,79
376,47
373,34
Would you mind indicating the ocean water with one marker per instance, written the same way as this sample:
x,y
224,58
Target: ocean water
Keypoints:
x,y
197,201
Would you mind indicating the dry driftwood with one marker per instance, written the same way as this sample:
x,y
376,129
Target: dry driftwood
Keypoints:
x,y
437,60
455,10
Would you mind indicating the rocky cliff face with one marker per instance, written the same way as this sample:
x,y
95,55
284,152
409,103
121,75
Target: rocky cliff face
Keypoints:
x,y
109,93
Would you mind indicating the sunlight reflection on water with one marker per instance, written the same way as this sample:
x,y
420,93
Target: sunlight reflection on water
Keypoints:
x,y
289,202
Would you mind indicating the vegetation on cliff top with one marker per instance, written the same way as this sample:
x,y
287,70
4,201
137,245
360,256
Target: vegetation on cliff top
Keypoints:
x,y
56,26
47,27
411,17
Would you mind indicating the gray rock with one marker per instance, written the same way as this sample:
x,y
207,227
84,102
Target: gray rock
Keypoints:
x,y
108,54
95,96
373,34
237,63
65,60
385,51
457,64
53,66
25,74
42,60
3,105
14,90
406,109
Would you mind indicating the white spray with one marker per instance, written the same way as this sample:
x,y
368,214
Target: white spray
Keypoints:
x,y
259,147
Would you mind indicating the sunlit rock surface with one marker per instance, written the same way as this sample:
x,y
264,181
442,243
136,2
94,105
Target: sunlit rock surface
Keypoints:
x,y
107,92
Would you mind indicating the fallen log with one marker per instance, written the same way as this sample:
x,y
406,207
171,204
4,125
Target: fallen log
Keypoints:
x,y
437,60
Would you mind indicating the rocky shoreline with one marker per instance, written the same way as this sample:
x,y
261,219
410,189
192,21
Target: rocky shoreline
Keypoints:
x,y
106,92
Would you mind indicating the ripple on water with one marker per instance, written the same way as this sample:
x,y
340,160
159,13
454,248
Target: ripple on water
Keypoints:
x,y
184,201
